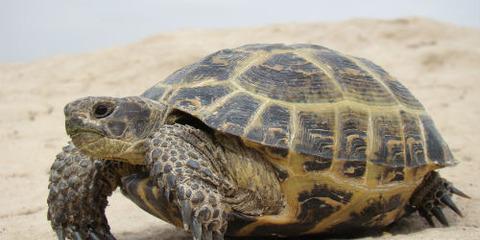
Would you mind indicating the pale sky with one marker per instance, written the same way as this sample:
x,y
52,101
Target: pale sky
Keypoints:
x,y
34,29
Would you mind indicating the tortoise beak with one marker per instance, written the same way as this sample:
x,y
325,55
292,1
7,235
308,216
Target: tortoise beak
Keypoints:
x,y
77,118
77,124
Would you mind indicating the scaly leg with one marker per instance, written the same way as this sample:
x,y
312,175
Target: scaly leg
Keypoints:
x,y
79,187
434,194
183,162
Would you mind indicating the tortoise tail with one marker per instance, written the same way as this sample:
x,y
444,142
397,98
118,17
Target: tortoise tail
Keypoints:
x,y
432,196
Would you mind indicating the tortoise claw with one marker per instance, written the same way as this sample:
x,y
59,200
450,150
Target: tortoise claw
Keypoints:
x,y
110,237
60,234
196,229
77,236
430,221
100,235
205,220
166,194
449,203
437,212
93,236
186,210
456,191
434,194
171,180
427,217
72,233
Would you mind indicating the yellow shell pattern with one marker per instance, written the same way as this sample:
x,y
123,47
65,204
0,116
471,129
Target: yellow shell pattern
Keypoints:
x,y
353,140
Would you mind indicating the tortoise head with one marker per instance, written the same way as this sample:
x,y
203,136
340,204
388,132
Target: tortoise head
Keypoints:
x,y
113,128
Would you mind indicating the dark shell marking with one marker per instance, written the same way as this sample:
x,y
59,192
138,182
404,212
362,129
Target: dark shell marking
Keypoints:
x,y
312,101
234,115
314,206
414,154
370,216
387,132
316,133
273,127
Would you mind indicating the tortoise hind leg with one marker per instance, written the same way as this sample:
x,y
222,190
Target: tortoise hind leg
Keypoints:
x,y
434,194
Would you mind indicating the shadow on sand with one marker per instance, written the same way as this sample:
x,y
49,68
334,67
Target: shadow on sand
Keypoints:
x,y
411,224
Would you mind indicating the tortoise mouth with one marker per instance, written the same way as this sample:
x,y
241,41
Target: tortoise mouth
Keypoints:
x,y
83,135
76,126
83,139
75,132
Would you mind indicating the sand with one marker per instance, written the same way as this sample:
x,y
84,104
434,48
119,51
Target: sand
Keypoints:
x,y
438,62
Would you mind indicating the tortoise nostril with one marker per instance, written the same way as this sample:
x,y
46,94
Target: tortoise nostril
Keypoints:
x,y
73,107
74,122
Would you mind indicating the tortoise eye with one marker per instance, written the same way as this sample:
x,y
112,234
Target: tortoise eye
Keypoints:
x,y
102,110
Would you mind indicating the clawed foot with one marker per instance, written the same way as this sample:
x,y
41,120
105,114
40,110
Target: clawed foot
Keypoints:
x,y
79,187
72,232
184,172
198,201
438,195
202,212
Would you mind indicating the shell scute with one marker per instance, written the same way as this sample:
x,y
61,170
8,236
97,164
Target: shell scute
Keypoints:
x,y
273,127
355,82
437,149
353,131
388,145
413,140
401,92
194,98
353,142
316,134
234,115
291,78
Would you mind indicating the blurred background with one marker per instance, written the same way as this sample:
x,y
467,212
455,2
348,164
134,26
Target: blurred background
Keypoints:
x,y
31,29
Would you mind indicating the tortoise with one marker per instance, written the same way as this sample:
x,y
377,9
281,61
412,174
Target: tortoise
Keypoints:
x,y
260,140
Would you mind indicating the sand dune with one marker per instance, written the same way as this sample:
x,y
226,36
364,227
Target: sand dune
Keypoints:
x,y
438,62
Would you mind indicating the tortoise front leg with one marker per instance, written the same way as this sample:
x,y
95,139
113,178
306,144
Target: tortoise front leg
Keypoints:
x,y
183,164
79,187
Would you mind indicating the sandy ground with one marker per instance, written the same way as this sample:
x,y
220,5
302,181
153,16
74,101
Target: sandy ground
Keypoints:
x,y
438,62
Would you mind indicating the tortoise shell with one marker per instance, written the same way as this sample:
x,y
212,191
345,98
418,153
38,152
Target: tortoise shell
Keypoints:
x,y
345,134
310,100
